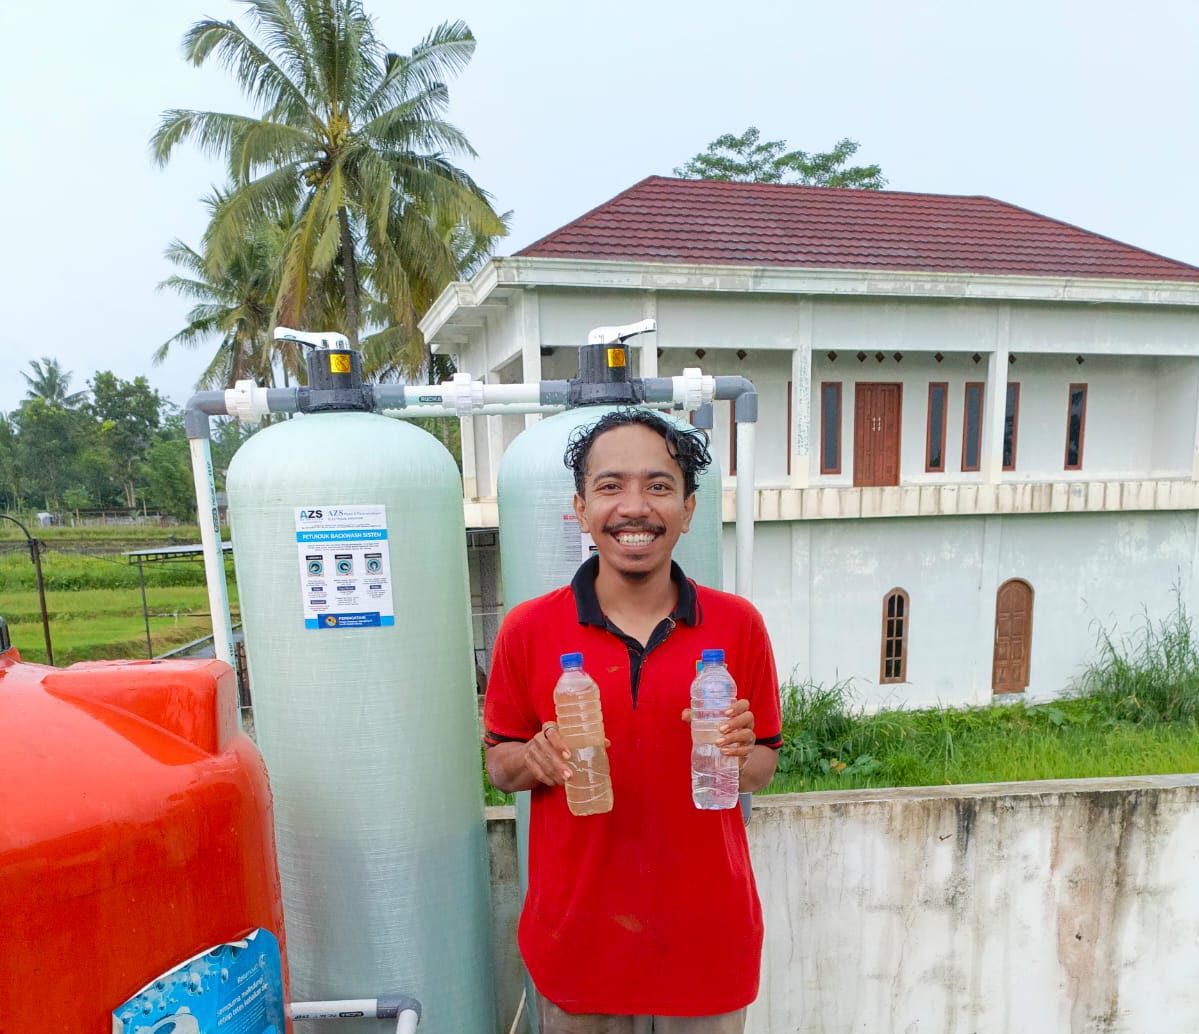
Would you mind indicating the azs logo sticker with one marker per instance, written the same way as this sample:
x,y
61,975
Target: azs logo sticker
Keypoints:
x,y
311,515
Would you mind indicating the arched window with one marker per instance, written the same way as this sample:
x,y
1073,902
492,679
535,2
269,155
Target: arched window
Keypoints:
x,y
896,614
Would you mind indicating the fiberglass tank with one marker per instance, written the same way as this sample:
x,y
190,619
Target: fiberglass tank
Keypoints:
x,y
351,568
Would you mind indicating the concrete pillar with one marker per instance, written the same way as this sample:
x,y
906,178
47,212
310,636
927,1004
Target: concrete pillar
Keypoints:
x,y
648,342
1195,448
801,398
995,401
494,433
529,324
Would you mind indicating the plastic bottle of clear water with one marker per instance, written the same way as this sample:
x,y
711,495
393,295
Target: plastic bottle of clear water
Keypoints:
x,y
581,726
714,776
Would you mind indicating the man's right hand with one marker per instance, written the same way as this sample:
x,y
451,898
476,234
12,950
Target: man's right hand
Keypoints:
x,y
545,756
541,761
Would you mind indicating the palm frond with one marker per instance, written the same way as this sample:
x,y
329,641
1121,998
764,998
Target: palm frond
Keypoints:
x,y
260,78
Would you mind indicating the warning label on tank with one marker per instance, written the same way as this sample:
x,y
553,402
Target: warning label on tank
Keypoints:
x,y
234,988
345,573
577,545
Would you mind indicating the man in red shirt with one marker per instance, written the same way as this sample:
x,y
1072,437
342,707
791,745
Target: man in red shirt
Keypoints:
x,y
646,917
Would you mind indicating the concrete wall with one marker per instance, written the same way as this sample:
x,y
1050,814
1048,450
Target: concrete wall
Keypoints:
x,y
1054,908
820,586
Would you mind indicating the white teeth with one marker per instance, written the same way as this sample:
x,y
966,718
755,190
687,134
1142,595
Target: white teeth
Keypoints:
x,y
639,538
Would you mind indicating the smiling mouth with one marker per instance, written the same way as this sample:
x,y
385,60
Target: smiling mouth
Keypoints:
x,y
635,536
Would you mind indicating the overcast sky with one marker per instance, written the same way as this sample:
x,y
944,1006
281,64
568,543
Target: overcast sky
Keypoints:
x,y
1083,110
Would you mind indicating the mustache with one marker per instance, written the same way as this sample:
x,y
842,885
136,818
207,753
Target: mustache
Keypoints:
x,y
612,529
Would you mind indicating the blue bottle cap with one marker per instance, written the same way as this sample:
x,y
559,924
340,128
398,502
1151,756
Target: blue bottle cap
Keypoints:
x,y
712,657
571,660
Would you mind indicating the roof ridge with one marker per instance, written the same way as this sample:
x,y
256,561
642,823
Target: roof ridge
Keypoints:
x,y
812,186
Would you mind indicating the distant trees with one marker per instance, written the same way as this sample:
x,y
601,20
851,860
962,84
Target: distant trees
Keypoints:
x,y
119,445
350,153
749,159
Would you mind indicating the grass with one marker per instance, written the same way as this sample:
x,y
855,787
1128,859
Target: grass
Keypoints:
x,y
145,534
95,605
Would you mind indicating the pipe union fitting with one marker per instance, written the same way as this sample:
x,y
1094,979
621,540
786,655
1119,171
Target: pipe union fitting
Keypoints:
x,y
246,401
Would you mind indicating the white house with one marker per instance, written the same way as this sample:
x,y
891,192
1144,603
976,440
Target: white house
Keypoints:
x,y
978,438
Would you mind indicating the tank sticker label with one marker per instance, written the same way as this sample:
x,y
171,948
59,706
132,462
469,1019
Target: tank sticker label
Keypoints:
x,y
345,569
234,988
577,545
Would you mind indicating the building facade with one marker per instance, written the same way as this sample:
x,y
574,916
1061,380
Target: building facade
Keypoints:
x,y
978,436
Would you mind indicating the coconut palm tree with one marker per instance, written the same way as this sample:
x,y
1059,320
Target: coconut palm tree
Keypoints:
x,y
52,384
234,299
352,139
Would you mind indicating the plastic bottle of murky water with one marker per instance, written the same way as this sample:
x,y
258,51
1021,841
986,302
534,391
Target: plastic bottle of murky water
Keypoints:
x,y
714,776
581,726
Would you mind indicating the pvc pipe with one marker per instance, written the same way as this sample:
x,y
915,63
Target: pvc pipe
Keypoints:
x,y
499,409
745,507
210,541
405,1009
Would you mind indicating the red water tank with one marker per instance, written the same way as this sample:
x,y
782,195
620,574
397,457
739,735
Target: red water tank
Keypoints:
x,y
135,832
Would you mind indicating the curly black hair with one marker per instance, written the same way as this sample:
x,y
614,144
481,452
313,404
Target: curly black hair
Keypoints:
x,y
687,445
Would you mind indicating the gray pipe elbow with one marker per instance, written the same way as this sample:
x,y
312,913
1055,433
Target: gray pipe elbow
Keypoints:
x,y
732,387
390,1006
745,409
198,409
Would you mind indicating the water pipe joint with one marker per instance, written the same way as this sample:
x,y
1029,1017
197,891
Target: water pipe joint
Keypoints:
x,y
463,393
693,389
247,401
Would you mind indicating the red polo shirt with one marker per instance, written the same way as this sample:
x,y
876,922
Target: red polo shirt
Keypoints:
x,y
650,909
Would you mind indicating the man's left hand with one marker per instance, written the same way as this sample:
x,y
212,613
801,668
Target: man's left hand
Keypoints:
x,y
737,731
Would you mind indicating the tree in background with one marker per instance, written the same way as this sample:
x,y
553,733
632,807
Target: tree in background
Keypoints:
x,y
235,299
129,412
52,384
165,472
10,483
351,141
113,451
749,159
49,442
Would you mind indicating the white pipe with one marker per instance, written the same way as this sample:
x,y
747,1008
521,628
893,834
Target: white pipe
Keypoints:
x,y
355,1008
499,393
214,556
745,508
448,394
500,409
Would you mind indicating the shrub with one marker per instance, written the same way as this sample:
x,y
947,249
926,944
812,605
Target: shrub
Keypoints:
x,y
1149,677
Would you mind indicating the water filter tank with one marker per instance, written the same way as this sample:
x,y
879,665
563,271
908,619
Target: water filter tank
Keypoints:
x,y
350,553
541,546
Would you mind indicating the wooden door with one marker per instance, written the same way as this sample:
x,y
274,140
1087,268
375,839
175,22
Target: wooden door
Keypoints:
x,y
876,409
1013,637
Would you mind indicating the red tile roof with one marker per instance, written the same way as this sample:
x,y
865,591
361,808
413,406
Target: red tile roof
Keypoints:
x,y
755,224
